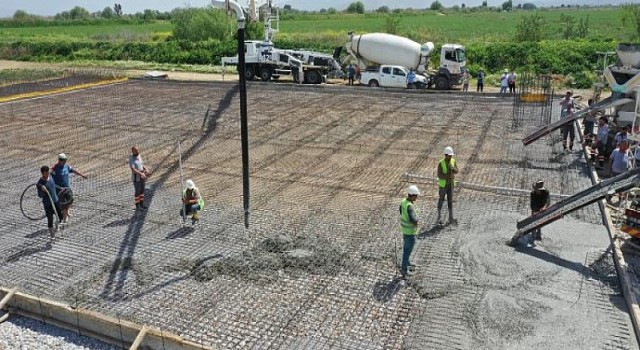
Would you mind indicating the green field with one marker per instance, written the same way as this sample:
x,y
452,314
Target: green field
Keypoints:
x,y
456,26
421,25
101,32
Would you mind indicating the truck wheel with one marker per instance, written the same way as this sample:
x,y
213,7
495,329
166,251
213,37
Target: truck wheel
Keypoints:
x,y
373,83
265,74
313,77
249,72
442,83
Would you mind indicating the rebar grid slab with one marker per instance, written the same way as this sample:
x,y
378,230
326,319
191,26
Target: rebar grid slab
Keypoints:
x,y
326,173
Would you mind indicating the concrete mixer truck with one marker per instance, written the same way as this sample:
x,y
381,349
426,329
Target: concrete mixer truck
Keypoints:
x,y
375,49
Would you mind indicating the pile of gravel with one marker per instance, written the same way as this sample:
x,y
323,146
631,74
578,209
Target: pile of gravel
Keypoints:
x,y
273,256
27,334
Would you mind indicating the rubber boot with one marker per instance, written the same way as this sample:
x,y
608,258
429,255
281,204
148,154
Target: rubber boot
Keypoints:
x,y
451,219
439,219
52,233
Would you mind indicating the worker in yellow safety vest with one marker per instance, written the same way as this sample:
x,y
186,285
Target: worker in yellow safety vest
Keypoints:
x,y
447,169
192,200
409,225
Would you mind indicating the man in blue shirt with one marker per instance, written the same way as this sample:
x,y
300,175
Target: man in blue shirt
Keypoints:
x,y
47,191
411,79
60,174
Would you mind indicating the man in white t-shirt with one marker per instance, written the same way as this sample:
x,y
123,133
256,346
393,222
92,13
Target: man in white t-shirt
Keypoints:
x,y
504,82
619,159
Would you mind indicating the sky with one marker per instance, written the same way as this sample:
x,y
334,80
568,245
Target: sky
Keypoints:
x,y
50,8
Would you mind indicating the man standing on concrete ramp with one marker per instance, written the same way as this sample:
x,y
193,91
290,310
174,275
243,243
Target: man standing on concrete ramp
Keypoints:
x,y
409,225
446,177
539,200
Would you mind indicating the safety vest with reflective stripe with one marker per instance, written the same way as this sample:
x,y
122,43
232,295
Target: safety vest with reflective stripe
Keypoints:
x,y
408,227
200,200
445,170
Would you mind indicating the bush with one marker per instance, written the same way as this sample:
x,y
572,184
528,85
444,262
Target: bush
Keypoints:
x,y
197,24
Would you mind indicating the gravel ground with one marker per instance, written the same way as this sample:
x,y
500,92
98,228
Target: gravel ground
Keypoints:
x,y
20,333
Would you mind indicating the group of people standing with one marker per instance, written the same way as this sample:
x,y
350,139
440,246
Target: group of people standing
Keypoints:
x,y
446,170
54,188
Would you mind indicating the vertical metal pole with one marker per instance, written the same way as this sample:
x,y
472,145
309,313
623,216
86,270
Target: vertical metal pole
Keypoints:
x,y
244,127
184,211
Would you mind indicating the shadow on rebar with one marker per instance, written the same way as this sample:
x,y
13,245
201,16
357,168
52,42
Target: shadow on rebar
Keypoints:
x,y
28,251
116,223
118,274
38,233
182,232
385,291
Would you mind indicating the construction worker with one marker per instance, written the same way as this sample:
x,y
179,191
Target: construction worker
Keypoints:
x,y
620,158
539,200
411,79
351,73
60,175
409,225
139,174
192,200
48,192
447,169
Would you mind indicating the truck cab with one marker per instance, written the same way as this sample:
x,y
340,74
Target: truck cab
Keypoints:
x,y
453,63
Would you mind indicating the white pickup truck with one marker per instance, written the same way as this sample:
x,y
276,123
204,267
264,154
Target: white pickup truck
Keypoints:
x,y
391,76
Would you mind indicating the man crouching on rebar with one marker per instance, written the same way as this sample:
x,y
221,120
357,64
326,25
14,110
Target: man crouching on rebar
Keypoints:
x,y
409,225
192,202
539,202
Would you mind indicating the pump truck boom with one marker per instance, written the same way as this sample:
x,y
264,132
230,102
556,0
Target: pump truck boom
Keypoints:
x,y
265,61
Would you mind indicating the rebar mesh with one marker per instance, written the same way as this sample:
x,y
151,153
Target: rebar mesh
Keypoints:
x,y
317,269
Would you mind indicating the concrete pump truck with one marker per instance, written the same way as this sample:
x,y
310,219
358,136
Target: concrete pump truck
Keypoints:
x,y
263,60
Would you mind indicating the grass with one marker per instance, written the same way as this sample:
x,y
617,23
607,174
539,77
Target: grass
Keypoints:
x,y
455,26
17,76
604,22
100,32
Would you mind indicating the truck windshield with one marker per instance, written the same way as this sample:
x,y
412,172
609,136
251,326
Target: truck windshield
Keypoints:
x,y
461,56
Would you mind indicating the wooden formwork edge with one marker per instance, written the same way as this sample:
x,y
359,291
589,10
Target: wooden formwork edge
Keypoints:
x,y
60,90
95,325
629,291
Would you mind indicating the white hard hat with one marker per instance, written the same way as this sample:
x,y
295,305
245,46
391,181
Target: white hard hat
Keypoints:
x,y
448,151
190,184
413,190
62,156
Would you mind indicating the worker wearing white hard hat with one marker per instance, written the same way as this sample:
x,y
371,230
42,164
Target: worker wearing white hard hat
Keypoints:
x,y
192,200
409,226
447,169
